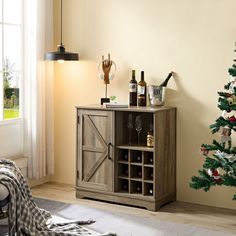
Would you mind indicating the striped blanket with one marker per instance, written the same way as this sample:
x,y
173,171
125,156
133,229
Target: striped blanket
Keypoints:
x,y
25,218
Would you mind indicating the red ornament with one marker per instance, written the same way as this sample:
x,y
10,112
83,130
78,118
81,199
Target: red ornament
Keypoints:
x,y
228,95
232,119
204,151
216,175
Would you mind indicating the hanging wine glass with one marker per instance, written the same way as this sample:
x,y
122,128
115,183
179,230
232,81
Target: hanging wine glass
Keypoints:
x,y
138,127
130,126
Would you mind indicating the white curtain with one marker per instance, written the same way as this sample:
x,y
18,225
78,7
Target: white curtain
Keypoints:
x,y
38,88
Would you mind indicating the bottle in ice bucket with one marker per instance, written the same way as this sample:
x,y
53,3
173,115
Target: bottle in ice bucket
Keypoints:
x,y
157,93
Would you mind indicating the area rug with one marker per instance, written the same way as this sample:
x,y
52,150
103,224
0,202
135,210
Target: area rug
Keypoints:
x,y
122,224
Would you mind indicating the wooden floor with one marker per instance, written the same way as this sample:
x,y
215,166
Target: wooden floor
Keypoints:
x,y
178,212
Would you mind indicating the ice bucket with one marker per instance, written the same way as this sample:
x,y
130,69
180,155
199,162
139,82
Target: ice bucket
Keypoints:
x,y
156,95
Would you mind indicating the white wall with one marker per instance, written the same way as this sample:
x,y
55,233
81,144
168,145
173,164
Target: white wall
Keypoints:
x,y
193,38
11,139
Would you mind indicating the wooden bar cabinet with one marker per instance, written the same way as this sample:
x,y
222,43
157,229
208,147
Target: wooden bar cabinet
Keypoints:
x,y
113,166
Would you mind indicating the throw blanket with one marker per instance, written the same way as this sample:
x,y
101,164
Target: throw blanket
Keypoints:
x,y
25,218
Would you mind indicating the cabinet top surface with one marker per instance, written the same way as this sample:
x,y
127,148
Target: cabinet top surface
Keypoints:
x,y
130,108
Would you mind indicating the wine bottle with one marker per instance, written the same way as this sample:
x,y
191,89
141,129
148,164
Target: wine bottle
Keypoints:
x,y
151,175
140,174
124,187
150,191
138,159
150,137
150,160
126,157
138,189
164,84
133,90
142,91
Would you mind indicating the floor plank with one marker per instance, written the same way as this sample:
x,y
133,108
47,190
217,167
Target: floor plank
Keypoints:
x,y
178,212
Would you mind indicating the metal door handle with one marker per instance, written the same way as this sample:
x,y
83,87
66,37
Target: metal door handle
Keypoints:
x,y
109,151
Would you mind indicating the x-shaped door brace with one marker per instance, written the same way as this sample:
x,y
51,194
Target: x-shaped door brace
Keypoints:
x,y
104,153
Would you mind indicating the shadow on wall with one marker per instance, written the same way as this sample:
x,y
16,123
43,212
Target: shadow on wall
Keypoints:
x,y
192,131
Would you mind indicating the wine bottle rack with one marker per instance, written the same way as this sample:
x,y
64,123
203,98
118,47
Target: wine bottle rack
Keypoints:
x,y
135,172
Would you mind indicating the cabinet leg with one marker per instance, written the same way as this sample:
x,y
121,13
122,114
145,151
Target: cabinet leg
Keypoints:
x,y
153,207
79,195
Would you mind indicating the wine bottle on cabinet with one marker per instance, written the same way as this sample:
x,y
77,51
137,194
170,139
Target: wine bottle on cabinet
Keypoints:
x,y
133,90
165,82
142,91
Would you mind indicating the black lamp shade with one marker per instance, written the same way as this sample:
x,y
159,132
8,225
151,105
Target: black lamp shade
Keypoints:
x,y
61,54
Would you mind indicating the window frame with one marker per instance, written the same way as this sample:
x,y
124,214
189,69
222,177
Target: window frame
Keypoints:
x,y
19,71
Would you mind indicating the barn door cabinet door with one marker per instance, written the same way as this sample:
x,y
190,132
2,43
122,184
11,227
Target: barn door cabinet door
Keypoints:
x,y
95,150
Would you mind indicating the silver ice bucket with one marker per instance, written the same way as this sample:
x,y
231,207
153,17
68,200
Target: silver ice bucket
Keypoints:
x,y
156,95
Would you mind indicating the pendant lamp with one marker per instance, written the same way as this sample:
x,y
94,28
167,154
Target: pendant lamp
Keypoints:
x,y
61,54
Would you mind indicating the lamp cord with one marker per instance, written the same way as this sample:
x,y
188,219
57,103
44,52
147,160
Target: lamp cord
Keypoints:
x,y
61,22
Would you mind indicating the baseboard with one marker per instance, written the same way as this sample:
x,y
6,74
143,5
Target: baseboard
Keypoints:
x,y
43,180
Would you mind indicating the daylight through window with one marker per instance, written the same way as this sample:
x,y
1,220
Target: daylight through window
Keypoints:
x,y
11,58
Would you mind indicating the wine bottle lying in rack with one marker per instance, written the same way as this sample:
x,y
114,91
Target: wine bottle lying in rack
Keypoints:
x,y
151,175
125,157
138,189
125,187
150,191
139,174
138,159
150,160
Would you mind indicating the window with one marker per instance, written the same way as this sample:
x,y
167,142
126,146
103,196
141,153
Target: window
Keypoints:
x,y
10,58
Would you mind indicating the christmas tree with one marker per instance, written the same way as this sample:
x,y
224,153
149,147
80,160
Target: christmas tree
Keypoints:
x,y
219,166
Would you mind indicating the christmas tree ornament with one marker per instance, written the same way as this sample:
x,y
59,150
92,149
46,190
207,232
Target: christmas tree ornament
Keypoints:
x,y
216,175
225,139
232,119
232,79
232,85
230,101
227,95
209,171
231,158
204,151
220,167
225,131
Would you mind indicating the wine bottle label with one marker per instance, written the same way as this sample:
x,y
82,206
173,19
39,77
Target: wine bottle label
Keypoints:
x,y
141,90
132,88
150,140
